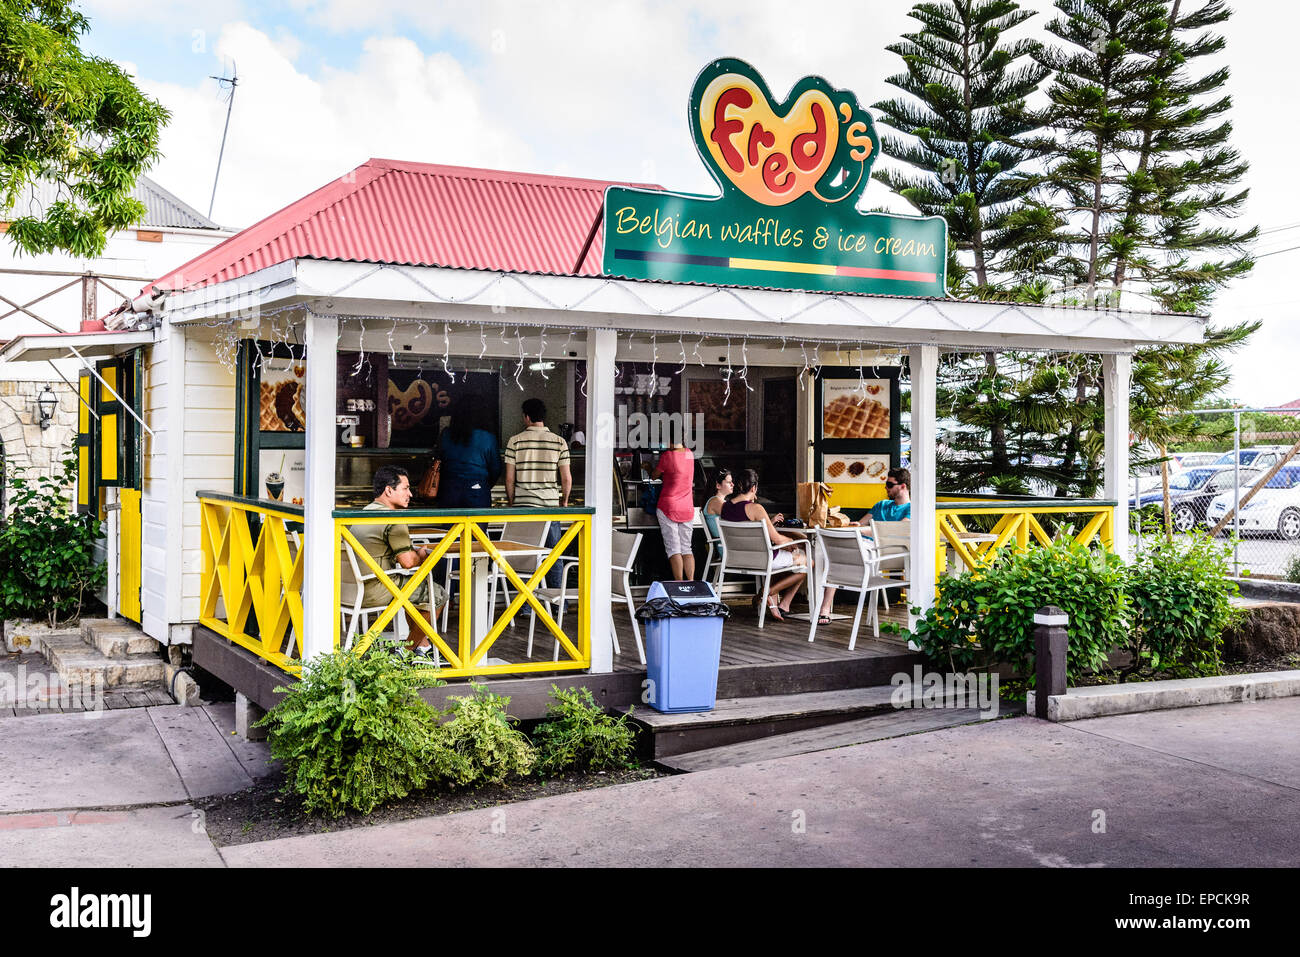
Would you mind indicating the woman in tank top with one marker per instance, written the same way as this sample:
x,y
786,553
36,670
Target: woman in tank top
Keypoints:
x,y
743,508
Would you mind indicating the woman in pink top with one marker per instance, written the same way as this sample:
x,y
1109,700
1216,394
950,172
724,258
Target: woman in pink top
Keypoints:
x,y
676,508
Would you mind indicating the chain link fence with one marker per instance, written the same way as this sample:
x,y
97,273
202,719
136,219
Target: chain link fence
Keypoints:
x,y
1238,479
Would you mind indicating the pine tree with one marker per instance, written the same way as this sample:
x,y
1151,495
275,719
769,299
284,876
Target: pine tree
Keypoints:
x,y
961,127
1138,168
963,122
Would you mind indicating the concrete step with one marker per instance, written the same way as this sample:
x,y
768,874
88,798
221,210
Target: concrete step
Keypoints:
x,y
877,727
735,720
116,638
79,663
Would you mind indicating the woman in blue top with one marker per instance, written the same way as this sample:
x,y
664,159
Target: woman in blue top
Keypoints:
x,y
723,486
471,462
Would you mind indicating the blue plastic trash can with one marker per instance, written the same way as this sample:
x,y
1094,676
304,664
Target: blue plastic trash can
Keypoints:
x,y
682,653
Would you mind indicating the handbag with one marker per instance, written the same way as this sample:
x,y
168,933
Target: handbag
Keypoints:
x,y
428,487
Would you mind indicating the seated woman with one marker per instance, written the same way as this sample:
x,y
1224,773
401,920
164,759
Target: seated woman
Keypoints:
x,y
744,508
723,487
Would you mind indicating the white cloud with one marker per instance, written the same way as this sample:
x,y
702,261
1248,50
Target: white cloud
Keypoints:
x,y
290,132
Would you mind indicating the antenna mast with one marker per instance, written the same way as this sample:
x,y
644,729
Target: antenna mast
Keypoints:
x,y
230,105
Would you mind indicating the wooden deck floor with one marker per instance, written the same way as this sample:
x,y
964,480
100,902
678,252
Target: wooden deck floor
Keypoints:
x,y
743,642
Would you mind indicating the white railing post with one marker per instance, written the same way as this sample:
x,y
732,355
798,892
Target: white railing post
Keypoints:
x,y
602,345
319,556
1117,370
924,366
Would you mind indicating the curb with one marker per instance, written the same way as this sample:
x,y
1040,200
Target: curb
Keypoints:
x,y
1260,589
1096,702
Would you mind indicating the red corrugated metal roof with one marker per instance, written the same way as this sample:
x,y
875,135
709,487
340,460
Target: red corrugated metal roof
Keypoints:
x,y
421,214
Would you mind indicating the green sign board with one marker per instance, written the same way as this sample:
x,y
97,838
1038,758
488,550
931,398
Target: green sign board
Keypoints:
x,y
790,175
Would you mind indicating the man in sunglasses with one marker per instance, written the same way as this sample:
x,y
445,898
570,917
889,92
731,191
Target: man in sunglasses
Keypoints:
x,y
898,506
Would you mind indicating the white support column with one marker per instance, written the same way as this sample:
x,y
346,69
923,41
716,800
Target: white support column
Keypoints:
x,y
1117,371
924,362
320,558
602,346
173,467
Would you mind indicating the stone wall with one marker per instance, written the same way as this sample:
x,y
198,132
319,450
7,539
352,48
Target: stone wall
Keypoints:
x,y
26,444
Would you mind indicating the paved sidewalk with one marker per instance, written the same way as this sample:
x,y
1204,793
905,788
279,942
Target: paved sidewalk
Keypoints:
x,y
112,788
1211,786
1198,787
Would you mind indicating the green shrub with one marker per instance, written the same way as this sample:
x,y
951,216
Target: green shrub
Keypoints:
x,y
578,735
47,563
1181,596
482,744
986,616
1292,571
354,733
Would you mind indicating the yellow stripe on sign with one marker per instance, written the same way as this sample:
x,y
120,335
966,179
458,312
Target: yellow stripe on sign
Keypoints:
x,y
772,265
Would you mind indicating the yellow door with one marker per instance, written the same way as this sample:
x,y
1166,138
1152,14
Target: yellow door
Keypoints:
x,y
128,554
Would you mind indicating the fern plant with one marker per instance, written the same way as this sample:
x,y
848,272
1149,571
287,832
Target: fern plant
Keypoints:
x,y
480,744
578,735
354,733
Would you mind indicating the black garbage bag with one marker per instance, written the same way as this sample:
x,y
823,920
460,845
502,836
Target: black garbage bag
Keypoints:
x,y
667,607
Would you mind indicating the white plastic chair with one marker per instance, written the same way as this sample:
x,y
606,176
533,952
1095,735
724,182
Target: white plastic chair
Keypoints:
x,y
747,550
714,557
622,555
532,534
852,562
894,545
351,596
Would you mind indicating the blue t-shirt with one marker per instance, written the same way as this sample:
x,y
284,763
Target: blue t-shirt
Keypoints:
x,y
887,511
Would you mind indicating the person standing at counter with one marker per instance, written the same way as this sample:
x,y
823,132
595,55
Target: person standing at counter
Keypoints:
x,y
471,461
676,508
537,471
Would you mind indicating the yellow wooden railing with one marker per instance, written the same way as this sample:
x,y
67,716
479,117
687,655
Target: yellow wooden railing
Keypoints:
x,y
461,531
1017,525
251,590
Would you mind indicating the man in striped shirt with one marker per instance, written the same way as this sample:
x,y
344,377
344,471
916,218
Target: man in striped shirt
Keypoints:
x,y
537,470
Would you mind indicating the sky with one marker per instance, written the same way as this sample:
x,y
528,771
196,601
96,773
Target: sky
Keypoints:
x,y
599,89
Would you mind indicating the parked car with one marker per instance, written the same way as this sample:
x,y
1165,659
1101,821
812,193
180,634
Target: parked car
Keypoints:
x,y
1275,509
1195,460
1257,456
1192,491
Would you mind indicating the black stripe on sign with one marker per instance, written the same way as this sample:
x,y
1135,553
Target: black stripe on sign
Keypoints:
x,y
653,255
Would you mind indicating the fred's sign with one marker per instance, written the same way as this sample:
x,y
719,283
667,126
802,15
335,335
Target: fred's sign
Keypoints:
x,y
790,175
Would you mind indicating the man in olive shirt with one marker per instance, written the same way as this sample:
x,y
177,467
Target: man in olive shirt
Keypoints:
x,y
390,546
537,471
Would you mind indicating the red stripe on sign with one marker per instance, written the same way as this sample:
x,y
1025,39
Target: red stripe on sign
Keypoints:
x,y
903,274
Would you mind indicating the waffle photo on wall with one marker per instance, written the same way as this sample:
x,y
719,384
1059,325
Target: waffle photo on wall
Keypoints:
x,y
855,409
856,469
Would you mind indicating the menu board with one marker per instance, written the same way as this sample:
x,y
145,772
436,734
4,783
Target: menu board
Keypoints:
x,y
854,469
855,409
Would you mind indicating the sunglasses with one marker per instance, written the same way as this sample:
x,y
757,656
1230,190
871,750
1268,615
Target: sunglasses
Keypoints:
x,y
890,483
